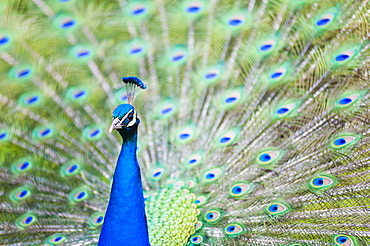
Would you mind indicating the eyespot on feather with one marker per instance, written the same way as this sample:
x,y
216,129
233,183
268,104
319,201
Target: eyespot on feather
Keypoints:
x,y
43,132
212,175
25,220
156,173
344,240
93,133
22,165
344,140
70,168
96,219
227,137
197,239
240,189
234,229
20,194
213,216
286,109
5,135
79,194
185,134
322,182
269,157
194,159
278,208
21,73
55,239
201,200
349,99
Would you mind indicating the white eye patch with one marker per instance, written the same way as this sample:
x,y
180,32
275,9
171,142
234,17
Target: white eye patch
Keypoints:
x,y
116,124
132,122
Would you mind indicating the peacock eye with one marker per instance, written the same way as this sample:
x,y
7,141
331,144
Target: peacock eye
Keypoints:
x,y
130,117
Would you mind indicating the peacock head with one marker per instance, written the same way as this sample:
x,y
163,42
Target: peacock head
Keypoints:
x,y
124,118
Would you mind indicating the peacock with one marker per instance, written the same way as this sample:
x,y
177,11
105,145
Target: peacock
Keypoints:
x,y
184,122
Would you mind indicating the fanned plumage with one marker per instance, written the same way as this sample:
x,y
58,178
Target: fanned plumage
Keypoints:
x,y
255,119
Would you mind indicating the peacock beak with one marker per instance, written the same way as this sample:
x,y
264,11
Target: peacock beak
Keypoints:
x,y
115,124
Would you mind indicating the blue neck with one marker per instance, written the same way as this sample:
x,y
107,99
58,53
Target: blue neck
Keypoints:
x,y
125,221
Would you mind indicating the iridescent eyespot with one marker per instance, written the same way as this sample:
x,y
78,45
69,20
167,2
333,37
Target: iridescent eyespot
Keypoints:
x,y
20,194
177,55
198,225
278,74
96,219
194,7
347,100
267,46
156,173
4,135
278,208
324,21
285,109
77,94
344,141
236,20
25,220
166,109
185,134
231,98
213,216
212,74
344,240
43,132
200,200
4,40
241,188
30,99
21,166
93,133
269,157
197,239
21,73
212,175
322,182
70,168
194,159
81,53
234,229
139,9
79,194
227,137
65,22
344,56
136,48
55,239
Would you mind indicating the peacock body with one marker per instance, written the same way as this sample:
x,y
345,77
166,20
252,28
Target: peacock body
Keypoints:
x,y
254,123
